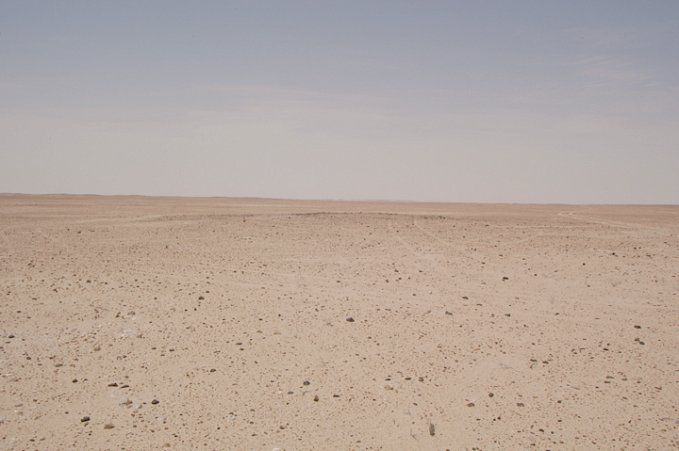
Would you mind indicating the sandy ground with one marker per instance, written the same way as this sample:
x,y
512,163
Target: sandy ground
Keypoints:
x,y
142,323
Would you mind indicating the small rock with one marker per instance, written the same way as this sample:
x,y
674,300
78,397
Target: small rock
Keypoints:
x,y
306,383
432,429
108,426
155,401
350,319
85,419
504,278
316,398
491,394
113,384
636,327
470,404
520,404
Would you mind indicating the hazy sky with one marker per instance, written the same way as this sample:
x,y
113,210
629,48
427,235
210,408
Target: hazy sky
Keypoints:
x,y
496,101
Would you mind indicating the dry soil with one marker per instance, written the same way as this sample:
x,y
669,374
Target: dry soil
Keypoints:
x,y
143,323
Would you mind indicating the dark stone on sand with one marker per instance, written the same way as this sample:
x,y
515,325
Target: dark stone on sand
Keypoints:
x,y
350,319
155,401
85,419
316,398
306,383
432,429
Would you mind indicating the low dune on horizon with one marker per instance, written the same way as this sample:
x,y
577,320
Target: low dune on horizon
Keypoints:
x,y
217,323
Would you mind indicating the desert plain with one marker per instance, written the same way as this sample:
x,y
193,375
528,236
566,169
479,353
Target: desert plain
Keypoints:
x,y
214,323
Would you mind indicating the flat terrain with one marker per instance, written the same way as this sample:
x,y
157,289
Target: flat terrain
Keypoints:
x,y
142,323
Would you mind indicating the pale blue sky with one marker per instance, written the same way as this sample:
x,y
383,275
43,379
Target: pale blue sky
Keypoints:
x,y
491,101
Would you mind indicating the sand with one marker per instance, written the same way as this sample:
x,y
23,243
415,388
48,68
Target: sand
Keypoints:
x,y
143,323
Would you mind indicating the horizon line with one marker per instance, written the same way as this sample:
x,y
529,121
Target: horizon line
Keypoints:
x,y
340,200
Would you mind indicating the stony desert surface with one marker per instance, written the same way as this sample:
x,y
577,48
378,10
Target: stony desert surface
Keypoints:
x,y
143,323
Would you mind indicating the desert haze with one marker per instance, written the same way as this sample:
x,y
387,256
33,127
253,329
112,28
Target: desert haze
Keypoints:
x,y
213,323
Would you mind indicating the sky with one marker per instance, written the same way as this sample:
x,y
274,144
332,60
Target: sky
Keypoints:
x,y
475,101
